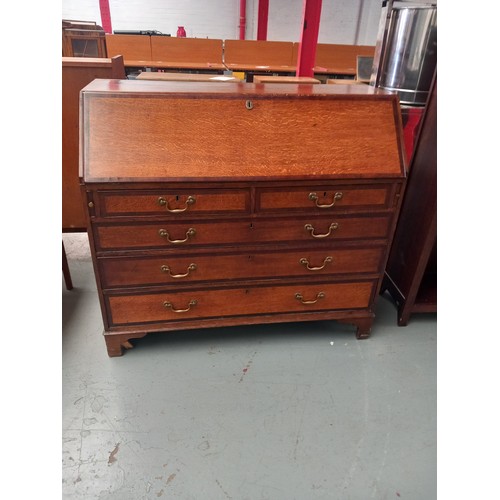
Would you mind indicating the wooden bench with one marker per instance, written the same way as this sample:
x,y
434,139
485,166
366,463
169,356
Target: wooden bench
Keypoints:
x,y
78,72
249,56
184,77
135,49
284,79
334,59
187,53
262,56
344,81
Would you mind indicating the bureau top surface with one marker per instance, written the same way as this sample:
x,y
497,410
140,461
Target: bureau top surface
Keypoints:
x,y
132,131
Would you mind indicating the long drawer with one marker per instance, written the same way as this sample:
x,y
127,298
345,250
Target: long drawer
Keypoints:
x,y
205,303
193,233
175,269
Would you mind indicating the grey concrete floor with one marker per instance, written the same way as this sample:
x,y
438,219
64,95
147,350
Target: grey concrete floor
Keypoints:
x,y
291,411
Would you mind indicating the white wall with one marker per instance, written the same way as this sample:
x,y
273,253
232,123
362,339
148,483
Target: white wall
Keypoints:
x,y
342,21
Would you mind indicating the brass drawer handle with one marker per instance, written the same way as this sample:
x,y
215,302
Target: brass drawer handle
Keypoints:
x,y
164,234
164,203
310,228
305,262
299,296
168,305
314,197
166,269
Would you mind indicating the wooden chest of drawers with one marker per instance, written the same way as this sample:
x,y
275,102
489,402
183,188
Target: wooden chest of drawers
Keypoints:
x,y
223,204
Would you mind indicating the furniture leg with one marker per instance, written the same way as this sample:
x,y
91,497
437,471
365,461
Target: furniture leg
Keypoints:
x,y
364,328
363,325
65,268
404,314
116,343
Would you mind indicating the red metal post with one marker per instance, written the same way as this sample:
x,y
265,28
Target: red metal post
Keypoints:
x,y
105,16
243,18
309,38
262,19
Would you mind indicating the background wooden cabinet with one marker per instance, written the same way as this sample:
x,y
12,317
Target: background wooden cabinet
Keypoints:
x,y
83,39
77,72
411,271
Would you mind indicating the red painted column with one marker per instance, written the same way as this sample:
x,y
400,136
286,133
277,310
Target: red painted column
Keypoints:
x,y
105,16
309,38
243,18
262,19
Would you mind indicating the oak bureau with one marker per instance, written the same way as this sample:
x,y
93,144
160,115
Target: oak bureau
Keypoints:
x,y
211,205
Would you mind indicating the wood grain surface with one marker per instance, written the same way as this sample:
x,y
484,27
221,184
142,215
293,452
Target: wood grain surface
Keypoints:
x,y
238,301
295,136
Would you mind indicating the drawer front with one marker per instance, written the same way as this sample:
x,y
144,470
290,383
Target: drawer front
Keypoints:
x,y
324,198
175,234
143,271
172,202
197,304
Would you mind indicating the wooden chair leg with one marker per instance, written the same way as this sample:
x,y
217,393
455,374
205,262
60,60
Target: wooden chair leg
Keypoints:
x,y
65,268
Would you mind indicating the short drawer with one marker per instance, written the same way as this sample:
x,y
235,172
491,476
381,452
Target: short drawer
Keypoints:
x,y
194,233
172,202
324,198
200,303
177,269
